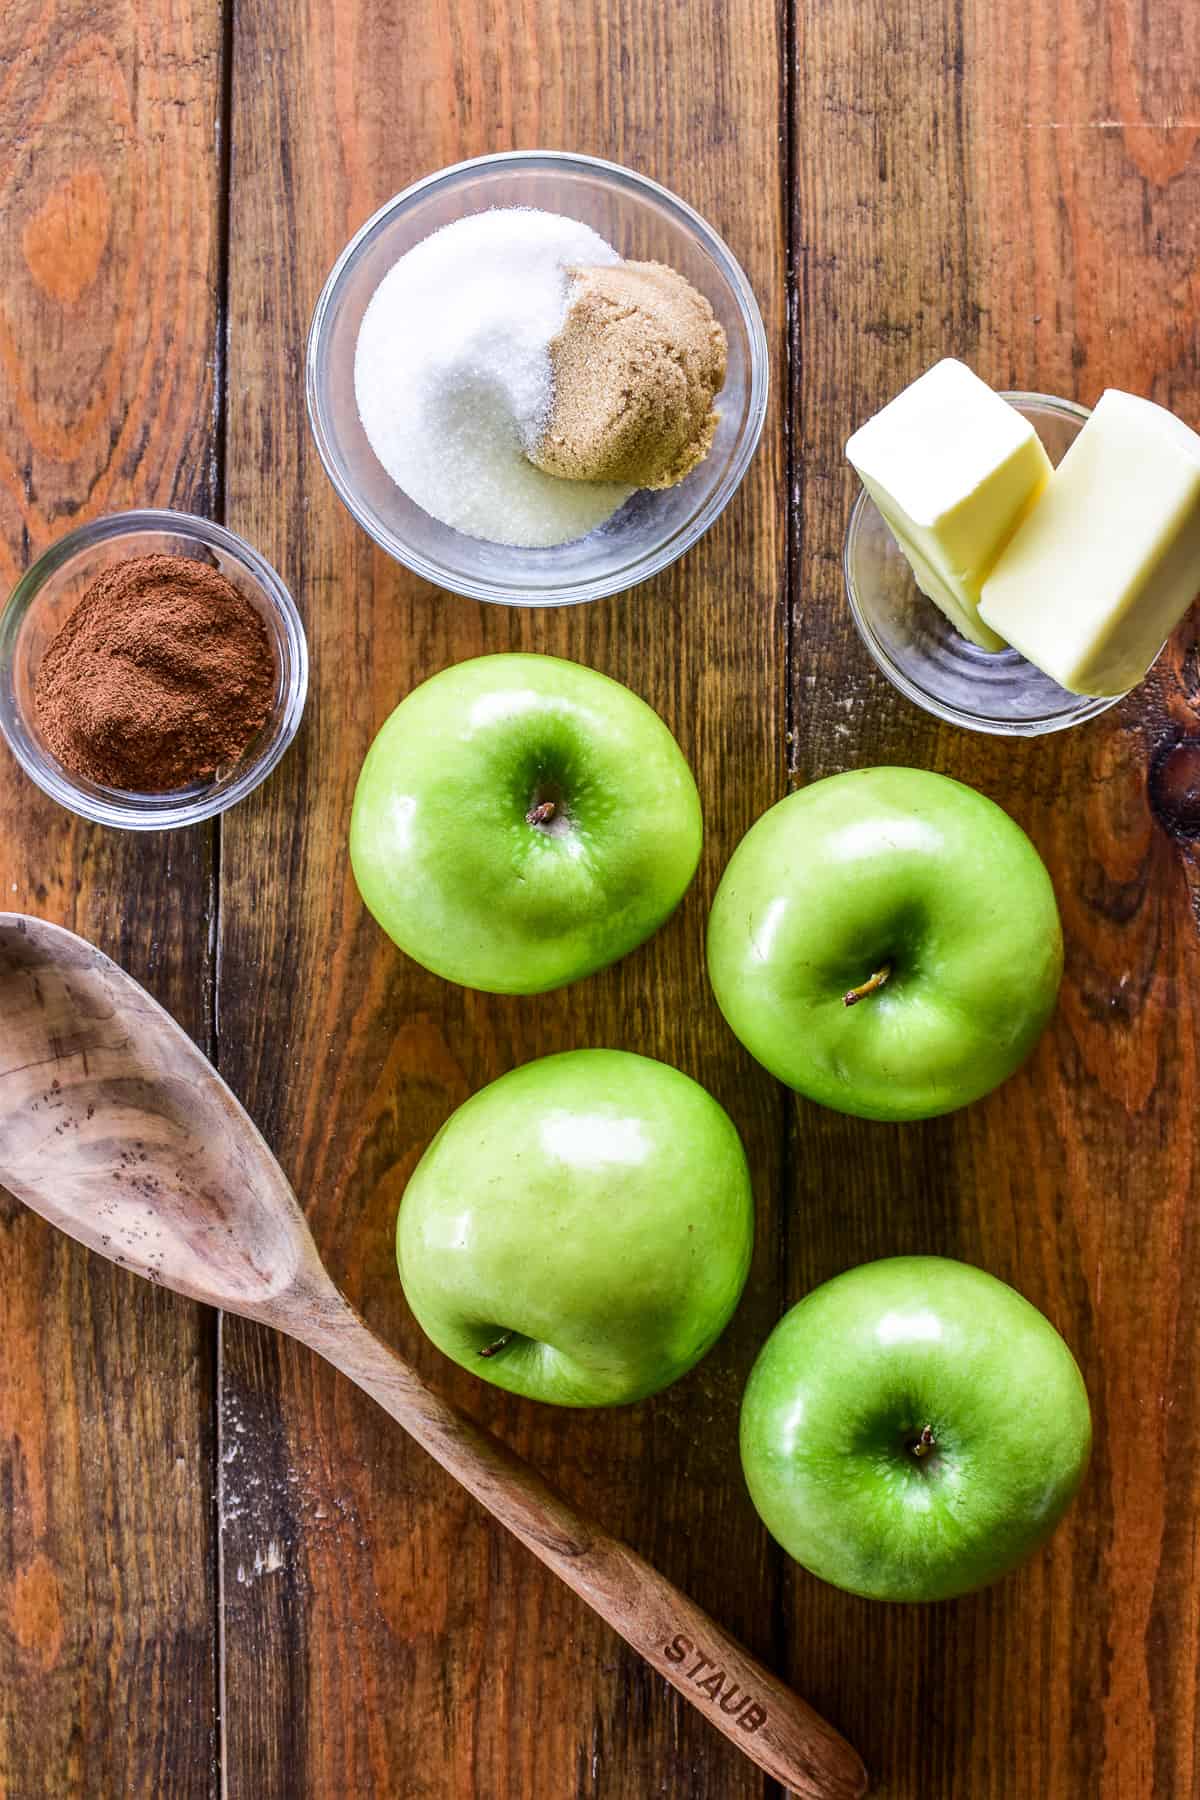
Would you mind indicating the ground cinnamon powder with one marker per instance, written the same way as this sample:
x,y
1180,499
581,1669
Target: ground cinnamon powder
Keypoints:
x,y
160,677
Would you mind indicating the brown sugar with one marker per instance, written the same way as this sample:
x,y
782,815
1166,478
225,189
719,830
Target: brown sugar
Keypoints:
x,y
160,677
637,366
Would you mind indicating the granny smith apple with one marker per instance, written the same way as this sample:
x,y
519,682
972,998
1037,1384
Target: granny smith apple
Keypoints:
x,y
914,1429
580,1231
521,821
886,942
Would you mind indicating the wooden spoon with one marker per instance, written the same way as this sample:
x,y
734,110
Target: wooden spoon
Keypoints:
x,y
117,1129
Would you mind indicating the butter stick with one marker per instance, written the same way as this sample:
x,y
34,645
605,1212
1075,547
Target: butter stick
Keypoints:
x,y
1106,565
953,468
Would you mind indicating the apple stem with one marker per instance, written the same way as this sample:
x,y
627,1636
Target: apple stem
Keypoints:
x,y
924,1443
542,813
491,1349
867,987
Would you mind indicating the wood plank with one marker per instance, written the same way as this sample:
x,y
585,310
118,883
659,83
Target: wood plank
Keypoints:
x,y
381,1636
1020,186
108,330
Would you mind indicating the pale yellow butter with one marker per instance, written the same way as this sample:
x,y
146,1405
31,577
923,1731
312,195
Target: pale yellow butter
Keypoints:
x,y
1106,565
953,468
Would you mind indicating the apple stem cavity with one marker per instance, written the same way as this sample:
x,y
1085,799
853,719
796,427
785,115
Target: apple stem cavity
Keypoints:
x,y
542,813
924,1442
491,1349
872,983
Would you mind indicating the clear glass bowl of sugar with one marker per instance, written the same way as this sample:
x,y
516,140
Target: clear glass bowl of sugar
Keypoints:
x,y
916,646
643,222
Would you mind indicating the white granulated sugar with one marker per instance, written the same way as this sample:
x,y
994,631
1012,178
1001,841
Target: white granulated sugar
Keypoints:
x,y
453,379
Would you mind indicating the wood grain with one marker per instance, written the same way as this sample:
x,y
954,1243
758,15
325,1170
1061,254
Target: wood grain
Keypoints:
x,y
1019,186
381,1636
108,328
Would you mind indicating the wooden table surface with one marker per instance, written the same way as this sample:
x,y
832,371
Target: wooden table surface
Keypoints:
x,y
221,1570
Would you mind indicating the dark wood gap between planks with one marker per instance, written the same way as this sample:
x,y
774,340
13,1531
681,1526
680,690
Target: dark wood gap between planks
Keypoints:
x,y
220,460
781,1631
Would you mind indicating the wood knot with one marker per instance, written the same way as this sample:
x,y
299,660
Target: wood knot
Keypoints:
x,y
1175,787
65,240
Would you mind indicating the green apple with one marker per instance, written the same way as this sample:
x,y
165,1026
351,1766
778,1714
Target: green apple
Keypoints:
x,y
580,1231
914,1429
521,821
886,942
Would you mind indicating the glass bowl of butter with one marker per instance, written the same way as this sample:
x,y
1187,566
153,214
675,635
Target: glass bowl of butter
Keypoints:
x,y
920,651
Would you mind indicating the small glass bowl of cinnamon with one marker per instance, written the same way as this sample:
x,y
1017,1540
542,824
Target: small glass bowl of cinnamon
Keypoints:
x,y
50,592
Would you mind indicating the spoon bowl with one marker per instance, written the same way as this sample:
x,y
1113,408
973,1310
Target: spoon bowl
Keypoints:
x,y
116,1128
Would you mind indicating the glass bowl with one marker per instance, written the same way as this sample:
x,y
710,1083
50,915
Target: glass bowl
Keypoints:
x,y
51,589
917,647
641,220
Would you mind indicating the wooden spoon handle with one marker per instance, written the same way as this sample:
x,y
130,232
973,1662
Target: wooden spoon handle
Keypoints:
x,y
766,1720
